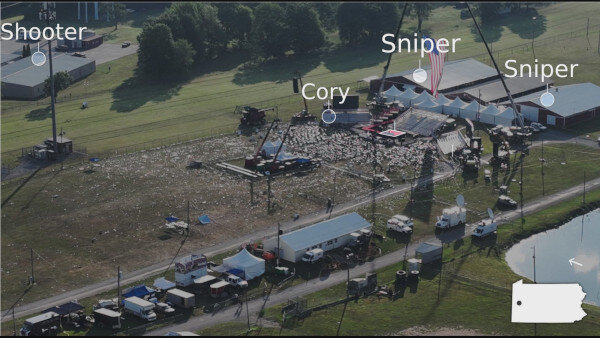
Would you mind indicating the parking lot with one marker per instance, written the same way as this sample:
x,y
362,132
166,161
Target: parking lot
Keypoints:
x,y
109,51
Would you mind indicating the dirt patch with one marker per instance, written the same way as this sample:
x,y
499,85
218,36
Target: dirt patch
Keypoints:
x,y
444,331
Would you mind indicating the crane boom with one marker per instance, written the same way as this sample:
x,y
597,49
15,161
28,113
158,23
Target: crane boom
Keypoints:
x,y
387,65
282,141
518,115
264,139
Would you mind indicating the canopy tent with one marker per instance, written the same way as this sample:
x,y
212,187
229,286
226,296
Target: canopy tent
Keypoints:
x,y
137,291
505,117
453,108
407,97
442,100
423,97
245,261
429,105
270,148
470,111
392,94
488,114
163,284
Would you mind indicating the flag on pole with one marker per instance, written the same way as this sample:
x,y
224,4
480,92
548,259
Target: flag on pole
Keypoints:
x,y
436,59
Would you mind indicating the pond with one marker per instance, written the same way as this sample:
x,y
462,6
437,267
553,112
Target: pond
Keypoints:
x,y
579,239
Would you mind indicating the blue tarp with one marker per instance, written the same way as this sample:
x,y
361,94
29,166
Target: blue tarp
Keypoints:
x,y
172,219
138,291
237,272
163,284
94,159
204,219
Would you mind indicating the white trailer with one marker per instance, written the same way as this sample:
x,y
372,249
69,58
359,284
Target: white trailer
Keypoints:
x,y
140,308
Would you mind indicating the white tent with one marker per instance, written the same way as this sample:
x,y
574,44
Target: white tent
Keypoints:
x,y
407,97
470,110
392,94
245,261
424,96
505,117
429,105
453,108
442,100
488,114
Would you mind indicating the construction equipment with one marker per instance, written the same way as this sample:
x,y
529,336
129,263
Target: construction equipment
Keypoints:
x,y
304,116
252,161
470,157
252,116
362,286
378,105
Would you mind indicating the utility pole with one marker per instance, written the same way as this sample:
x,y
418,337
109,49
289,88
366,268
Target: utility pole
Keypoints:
x,y
48,14
32,275
269,193
533,35
521,191
252,192
441,271
583,188
587,29
534,279
247,311
189,225
119,286
542,166
278,234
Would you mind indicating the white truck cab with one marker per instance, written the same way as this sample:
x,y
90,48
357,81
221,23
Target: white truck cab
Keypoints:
x,y
236,281
312,256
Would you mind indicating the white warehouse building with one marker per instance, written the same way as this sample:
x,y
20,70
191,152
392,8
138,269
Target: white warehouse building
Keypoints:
x,y
327,235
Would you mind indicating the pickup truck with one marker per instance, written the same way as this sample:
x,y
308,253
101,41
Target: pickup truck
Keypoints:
x,y
401,224
236,281
485,228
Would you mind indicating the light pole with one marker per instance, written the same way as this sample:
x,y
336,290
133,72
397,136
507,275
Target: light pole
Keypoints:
x,y
533,34
48,14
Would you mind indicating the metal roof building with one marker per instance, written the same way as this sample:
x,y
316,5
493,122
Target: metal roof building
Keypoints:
x,y
494,91
458,74
572,104
326,235
23,80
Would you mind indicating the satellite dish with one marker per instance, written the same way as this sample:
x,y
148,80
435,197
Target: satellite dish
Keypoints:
x,y
460,201
490,213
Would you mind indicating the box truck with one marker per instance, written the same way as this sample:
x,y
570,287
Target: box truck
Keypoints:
x,y
181,298
107,318
140,308
312,256
46,324
454,216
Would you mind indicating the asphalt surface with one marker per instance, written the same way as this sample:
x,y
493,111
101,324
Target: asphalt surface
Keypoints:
x,y
232,314
134,276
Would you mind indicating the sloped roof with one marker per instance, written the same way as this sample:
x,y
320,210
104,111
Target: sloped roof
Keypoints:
x,y
324,231
428,103
490,110
457,103
392,92
473,106
568,100
442,100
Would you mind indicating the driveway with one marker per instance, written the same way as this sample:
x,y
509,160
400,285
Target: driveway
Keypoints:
x,y
107,52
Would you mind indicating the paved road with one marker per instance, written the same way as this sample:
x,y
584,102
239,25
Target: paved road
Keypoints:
x,y
134,276
229,314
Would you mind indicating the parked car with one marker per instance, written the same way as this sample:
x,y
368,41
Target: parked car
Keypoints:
x,y
401,224
79,55
538,126
164,308
507,202
62,48
125,44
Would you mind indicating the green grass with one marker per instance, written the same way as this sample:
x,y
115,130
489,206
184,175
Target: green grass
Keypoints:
x,y
480,300
125,110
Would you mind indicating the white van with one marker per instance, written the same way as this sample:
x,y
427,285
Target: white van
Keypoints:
x,y
312,256
484,228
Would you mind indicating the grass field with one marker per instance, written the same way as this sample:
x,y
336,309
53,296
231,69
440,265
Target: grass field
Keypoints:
x,y
124,109
478,299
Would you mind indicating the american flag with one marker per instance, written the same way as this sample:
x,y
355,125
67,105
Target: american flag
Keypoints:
x,y
436,59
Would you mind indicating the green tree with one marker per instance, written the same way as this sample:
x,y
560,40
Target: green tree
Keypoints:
x,y
352,22
487,11
28,50
115,12
269,32
237,20
159,55
327,13
24,53
305,32
421,11
62,80
199,24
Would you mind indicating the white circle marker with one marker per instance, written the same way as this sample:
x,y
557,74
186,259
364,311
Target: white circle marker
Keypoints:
x,y
547,99
38,58
419,75
328,116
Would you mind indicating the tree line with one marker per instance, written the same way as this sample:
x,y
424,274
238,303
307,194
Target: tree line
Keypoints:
x,y
189,33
